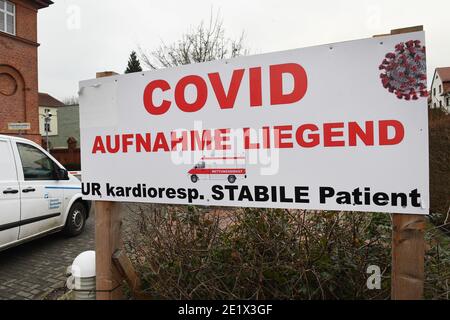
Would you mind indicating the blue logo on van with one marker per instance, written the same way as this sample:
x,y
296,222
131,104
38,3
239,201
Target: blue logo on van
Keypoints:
x,y
54,204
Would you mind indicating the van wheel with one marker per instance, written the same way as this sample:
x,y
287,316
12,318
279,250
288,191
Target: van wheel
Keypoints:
x,y
194,178
76,220
231,179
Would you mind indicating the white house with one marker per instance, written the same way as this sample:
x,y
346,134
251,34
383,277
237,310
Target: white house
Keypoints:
x,y
440,89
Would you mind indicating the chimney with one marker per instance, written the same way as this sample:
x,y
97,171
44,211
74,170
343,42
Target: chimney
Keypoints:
x,y
106,74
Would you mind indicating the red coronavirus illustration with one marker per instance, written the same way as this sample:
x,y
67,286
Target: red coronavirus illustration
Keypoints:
x,y
404,71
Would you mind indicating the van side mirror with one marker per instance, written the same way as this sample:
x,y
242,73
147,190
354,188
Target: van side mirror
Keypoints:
x,y
62,174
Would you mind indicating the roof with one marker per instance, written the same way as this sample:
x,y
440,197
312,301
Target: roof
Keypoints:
x,y
46,100
444,74
40,4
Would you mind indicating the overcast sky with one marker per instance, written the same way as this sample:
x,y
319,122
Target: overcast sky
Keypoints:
x,y
80,37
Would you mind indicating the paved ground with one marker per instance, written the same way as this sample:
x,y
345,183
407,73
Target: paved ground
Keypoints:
x,y
32,269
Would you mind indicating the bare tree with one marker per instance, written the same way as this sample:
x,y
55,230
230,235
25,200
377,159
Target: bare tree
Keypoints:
x,y
206,42
71,101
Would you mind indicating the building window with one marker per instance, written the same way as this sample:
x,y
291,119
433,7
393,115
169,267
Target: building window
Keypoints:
x,y
7,17
434,92
440,103
47,127
440,88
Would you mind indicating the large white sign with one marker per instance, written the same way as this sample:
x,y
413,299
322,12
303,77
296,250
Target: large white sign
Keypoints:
x,y
333,127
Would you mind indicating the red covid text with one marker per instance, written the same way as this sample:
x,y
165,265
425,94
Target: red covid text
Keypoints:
x,y
225,96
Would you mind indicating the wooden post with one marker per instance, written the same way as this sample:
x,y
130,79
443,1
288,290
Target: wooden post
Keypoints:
x,y
126,269
107,240
408,251
408,244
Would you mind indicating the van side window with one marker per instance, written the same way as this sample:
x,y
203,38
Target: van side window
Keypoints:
x,y
36,165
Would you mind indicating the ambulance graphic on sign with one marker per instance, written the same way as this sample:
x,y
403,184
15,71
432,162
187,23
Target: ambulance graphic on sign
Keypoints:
x,y
219,168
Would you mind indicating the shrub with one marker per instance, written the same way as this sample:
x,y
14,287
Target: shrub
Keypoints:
x,y
198,253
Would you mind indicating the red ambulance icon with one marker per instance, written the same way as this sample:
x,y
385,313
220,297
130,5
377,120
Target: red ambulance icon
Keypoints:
x,y
219,168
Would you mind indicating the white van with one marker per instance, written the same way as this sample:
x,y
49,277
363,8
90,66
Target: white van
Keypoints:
x,y
37,195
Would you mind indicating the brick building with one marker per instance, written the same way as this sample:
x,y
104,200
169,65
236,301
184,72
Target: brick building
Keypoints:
x,y
18,65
